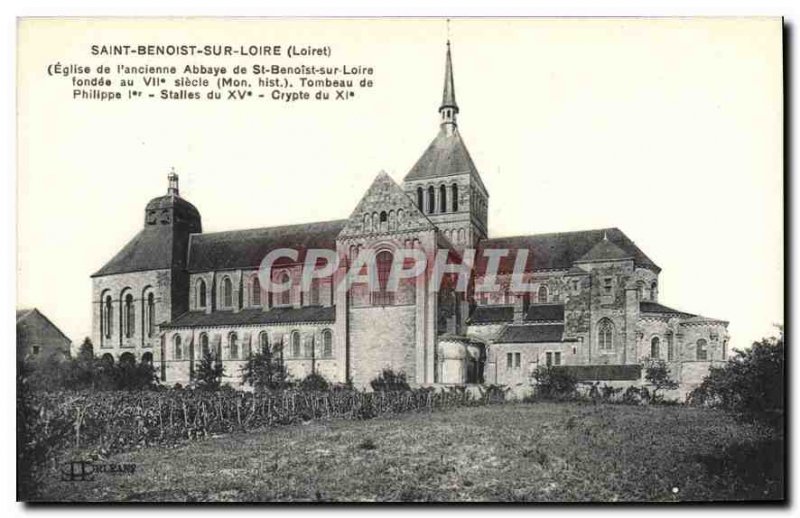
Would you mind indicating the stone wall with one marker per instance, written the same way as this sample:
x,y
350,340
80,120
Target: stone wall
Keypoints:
x,y
382,337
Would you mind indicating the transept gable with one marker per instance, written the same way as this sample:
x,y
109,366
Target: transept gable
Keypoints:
x,y
385,208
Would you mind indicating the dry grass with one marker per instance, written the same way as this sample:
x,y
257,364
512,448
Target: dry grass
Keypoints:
x,y
514,452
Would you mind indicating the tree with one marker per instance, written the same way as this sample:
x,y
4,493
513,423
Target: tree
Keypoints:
x,y
210,372
750,384
657,374
265,372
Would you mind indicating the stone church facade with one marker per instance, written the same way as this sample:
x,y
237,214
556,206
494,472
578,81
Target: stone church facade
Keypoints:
x,y
173,292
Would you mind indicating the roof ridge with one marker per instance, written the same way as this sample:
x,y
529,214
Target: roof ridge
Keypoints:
x,y
553,233
277,227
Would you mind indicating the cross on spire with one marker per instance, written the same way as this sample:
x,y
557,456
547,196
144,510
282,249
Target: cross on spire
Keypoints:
x,y
172,179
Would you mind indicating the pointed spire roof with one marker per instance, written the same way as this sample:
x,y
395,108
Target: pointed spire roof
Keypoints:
x,y
447,155
449,93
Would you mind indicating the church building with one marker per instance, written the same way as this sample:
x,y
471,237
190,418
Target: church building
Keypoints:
x,y
174,292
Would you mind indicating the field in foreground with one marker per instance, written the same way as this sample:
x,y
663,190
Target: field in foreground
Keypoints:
x,y
508,453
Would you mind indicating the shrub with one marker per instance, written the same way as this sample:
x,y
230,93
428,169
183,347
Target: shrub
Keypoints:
x,y
209,373
314,382
657,374
263,371
555,383
389,381
750,384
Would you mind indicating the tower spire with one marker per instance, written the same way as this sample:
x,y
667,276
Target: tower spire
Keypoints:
x,y
449,108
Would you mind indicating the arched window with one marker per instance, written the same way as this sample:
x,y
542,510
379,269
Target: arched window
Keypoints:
x,y
147,358
151,314
725,349
107,360
313,295
605,335
383,265
285,297
201,293
367,222
109,316
420,196
204,350
542,294
653,291
670,346
295,344
233,346
655,348
702,349
327,343
177,350
227,292
640,290
455,197
129,316
431,200
442,198
384,221
263,342
255,289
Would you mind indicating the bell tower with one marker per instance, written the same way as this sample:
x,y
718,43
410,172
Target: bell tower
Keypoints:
x,y
444,183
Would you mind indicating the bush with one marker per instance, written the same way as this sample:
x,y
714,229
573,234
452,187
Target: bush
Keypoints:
x,y
750,384
390,381
263,371
657,374
209,373
314,382
555,383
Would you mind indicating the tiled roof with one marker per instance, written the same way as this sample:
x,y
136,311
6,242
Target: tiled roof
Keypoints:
x,y
492,315
545,313
505,314
153,248
447,155
559,251
247,248
254,317
531,333
654,307
605,250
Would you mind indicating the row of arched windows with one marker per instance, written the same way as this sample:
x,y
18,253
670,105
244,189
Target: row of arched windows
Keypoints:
x,y
426,199
384,221
256,295
456,236
127,314
236,352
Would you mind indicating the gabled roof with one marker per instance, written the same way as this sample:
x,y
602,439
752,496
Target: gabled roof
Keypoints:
x,y
385,196
253,317
151,249
446,155
247,248
24,313
559,251
531,333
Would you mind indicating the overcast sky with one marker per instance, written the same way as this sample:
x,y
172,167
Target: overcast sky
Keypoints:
x,y
670,130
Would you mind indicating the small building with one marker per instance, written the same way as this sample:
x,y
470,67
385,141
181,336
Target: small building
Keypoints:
x,y
38,338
